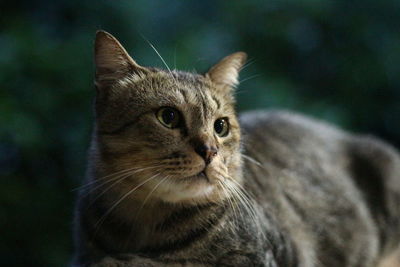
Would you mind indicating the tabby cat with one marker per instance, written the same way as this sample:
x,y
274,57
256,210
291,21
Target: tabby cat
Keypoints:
x,y
175,178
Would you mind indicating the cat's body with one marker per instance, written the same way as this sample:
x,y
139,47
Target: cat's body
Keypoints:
x,y
336,195
293,192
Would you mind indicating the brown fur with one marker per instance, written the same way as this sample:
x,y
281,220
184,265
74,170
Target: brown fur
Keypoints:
x,y
291,192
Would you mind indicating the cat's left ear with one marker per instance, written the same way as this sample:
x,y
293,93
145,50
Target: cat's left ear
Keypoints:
x,y
226,72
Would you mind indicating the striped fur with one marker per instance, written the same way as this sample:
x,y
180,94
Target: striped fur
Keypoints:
x,y
280,190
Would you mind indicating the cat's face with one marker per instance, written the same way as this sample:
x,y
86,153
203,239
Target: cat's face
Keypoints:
x,y
176,134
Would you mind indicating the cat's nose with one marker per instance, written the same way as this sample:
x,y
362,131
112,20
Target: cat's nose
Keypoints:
x,y
206,152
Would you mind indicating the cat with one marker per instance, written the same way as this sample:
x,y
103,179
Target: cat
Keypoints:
x,y
175,178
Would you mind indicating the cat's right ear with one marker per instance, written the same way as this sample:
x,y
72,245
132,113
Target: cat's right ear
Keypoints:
x,y
112,61
226,72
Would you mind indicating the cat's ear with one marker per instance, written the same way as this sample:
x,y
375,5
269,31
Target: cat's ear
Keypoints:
x,y
112,61
226,72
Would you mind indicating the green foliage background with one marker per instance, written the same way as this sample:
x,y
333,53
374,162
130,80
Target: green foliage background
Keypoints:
x,y
335,60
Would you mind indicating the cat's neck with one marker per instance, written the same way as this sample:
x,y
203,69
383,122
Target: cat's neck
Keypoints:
x,y
132,226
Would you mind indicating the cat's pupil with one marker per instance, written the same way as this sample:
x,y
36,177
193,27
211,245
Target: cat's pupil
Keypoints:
x,y
168,116
221,127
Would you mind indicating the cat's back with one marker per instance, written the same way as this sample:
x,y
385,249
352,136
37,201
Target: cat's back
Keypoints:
x,y
288,127
337,193
290,140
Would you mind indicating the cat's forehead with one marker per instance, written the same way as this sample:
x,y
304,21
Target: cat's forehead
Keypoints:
x,y
194,92
183,80
177,88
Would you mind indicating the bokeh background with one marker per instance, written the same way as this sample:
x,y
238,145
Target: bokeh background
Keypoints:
x,y
334,60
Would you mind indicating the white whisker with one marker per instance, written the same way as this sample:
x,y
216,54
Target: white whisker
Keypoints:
x,y
135,169
162,59
250,62
247,202
232,203
119,179
102,178
122,198
252,160
151,192
249,78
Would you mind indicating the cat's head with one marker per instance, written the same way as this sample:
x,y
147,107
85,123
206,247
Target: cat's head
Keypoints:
x,y
172,135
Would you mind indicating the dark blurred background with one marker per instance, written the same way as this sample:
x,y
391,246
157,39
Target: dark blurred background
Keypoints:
x,y
335,60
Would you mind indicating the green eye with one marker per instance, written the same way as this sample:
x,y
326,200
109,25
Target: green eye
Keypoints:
x,y
169,117
221,127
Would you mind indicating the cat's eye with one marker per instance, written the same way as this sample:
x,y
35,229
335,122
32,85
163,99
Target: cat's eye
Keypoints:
x,y
169,117
221,127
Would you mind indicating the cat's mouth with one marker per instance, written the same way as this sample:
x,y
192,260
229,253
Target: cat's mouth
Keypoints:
x,y
201,175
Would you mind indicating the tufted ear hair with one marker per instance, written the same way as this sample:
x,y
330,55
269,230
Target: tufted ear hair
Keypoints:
x,y
112,61
226,72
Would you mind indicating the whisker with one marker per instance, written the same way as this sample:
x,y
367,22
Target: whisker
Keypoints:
x,y
249,78
248,203
244,203
229,199
252,160
250,62
111,186
162,59
122,198
114,174
242,196
119,179
175,57
140,209
239,91
102,178
256,162
151,192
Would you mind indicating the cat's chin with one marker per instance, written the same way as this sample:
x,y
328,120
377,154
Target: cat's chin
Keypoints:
x,y
200,177
195,188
